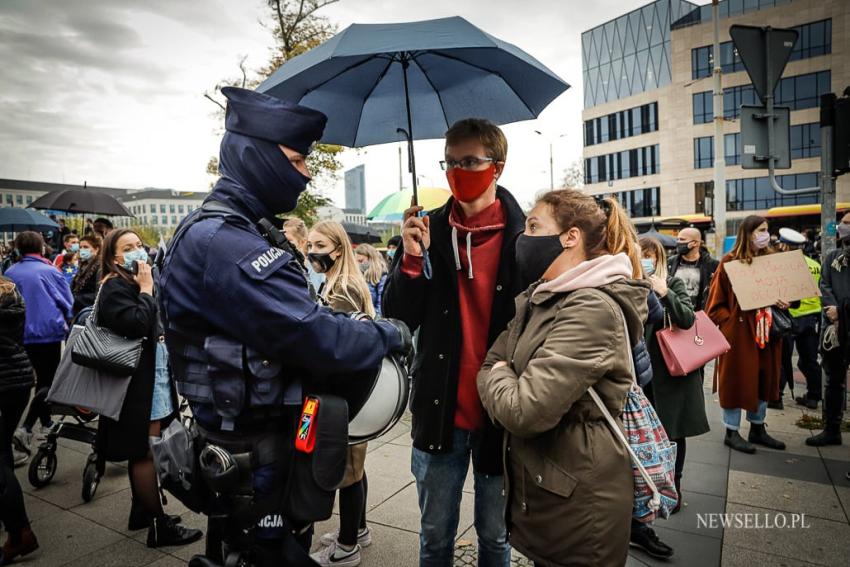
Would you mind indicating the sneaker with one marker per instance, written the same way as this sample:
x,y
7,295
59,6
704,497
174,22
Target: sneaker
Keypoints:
x,y
646,539
334,554
163,532
364,538
20,459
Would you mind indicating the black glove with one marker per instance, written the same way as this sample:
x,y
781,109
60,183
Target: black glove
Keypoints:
x,y
404,346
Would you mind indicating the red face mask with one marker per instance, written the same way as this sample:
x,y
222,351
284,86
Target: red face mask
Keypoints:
x,y
469,185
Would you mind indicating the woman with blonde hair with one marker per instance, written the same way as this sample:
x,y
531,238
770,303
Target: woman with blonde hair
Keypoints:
x,y
331,253
296,233
374,269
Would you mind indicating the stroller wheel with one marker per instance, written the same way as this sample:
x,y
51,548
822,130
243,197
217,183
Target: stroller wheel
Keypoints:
x,y
42,468
91,478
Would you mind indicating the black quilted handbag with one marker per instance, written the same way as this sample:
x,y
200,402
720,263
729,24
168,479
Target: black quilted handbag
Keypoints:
x,y
102,349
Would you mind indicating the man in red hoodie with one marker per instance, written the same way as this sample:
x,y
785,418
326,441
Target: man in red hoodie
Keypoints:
x,y
456,281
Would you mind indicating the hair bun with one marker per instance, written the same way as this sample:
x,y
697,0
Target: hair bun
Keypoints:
x,y
604,204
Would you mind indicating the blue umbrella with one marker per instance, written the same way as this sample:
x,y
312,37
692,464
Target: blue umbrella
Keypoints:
x,y
14,219
371,78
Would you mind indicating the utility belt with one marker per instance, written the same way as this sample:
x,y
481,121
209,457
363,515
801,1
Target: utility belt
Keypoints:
x,y
308,465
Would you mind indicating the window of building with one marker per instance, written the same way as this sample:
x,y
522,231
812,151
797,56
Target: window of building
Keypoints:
x,y
798,92
153,219
703,112
162,209
19,199
756,193
703,152
640,202
181,209
805,140
622,165
732,148
153,208
29,199
164,219
171,208
623,124
173,219
815,39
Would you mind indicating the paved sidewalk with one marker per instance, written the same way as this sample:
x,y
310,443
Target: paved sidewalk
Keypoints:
x,y
801,480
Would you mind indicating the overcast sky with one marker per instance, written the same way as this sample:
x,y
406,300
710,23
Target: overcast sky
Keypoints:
x,y
111,91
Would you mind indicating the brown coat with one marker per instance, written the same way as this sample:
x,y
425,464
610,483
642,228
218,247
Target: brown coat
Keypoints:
x,y
746,374
569,480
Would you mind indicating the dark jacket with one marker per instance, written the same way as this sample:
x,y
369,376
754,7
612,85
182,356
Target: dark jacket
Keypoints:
x,y
679,400
15,369
84,285
432,306
707,266
126,311
835,284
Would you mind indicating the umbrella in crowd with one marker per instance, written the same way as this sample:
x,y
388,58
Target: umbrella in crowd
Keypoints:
x,y
392,207
380,83
361,234
14,219
666,240
82,201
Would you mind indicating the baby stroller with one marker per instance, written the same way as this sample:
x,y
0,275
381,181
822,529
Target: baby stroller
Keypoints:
x,y
82,427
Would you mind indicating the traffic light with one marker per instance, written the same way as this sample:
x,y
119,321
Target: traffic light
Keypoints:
x,y
841,136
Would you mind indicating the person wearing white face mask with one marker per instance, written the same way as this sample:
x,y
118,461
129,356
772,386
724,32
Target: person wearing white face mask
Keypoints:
x,y
748,375
85,282
126,306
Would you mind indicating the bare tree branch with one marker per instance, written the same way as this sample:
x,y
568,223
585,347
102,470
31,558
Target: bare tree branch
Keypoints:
x,y
244,71
221,106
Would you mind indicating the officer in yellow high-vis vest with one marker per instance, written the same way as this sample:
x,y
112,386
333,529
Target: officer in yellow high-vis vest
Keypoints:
x,y
806,315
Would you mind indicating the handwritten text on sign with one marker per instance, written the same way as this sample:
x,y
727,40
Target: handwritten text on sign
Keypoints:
x,y
770,278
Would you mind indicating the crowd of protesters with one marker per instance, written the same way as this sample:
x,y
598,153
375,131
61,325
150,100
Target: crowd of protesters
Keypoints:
x,y
521,319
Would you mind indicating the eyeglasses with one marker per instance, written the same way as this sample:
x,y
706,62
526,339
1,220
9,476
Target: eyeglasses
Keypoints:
x,y
467,163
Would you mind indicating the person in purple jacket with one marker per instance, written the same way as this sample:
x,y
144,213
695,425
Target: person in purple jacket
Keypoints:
x,y
48,302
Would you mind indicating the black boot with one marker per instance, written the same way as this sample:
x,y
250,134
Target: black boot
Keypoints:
x,y
758,435
678,481
807,402
139,519
735,441
829,436
777,404
643,537
163,532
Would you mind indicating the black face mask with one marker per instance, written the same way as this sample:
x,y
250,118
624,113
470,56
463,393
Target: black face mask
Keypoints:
x,y
321,262
683,248
534,255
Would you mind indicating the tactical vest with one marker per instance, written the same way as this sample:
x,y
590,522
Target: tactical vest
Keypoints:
x,y
223,379
810,305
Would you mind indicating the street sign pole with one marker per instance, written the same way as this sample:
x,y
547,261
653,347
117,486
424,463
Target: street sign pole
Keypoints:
x,y
719,148
827,179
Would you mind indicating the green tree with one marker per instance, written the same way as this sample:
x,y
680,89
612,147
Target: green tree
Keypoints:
x,y
296,28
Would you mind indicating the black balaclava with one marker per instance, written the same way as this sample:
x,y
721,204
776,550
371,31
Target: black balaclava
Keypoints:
x,y
258,171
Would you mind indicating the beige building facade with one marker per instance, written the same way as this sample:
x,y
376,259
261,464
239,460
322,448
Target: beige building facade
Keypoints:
x,y
649,136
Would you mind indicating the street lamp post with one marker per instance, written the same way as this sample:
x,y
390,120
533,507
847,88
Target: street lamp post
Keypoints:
x,y
551,160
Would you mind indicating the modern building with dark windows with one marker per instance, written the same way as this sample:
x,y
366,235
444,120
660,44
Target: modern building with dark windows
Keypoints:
x,y
648,113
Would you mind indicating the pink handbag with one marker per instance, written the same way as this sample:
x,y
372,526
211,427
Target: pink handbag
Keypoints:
x,y
685,350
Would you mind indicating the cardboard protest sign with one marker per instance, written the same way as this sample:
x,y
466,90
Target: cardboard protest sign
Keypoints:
x,y
770,278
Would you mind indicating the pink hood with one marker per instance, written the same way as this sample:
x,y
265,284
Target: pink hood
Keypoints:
x,y
590,273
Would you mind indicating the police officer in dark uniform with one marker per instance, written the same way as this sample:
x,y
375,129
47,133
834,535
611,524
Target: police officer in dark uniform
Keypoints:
x,y
246,338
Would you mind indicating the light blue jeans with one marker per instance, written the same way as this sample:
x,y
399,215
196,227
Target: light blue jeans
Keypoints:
x,y
732,417
439,483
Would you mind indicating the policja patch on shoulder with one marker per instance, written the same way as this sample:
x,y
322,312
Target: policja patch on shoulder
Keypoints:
x,y
263,261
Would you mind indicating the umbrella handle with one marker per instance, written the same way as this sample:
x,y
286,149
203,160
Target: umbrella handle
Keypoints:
x,y
411,163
